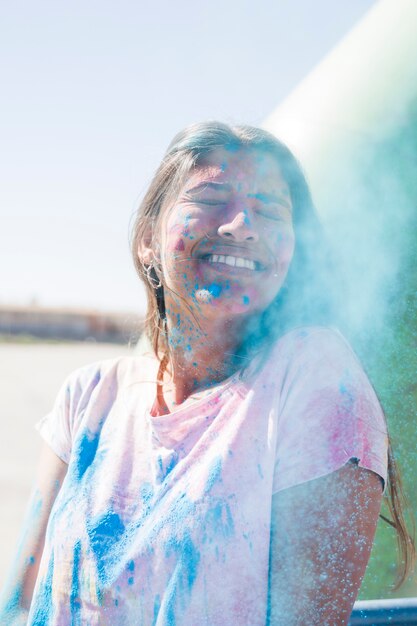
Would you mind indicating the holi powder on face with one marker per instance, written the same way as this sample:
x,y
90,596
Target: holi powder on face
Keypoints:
x,y
207,294
179,246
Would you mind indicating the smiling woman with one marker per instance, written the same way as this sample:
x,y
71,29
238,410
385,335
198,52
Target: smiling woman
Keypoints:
x,y
234,475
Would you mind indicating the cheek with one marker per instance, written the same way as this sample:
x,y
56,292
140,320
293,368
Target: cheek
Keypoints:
x,y
179,246
283,244
175,238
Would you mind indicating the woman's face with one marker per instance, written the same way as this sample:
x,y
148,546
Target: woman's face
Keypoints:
x,y
227,241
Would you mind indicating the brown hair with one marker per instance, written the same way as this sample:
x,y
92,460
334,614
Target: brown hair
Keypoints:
x,y
306,296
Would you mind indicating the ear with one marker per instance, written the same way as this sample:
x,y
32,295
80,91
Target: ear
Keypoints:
x,y
147,251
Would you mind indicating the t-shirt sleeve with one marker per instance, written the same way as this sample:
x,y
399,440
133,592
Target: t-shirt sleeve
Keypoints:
x,y
58,427
329,413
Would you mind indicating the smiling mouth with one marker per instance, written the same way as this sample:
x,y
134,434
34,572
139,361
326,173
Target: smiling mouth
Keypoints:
x,y
233,261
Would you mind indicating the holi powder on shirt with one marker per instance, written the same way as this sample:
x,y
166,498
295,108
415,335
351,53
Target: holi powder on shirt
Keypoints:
x,y
159,517
42,608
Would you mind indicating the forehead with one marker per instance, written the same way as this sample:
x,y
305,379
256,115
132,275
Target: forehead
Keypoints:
x,y
245,169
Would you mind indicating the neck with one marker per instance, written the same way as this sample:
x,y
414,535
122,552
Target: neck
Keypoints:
x,y
203,356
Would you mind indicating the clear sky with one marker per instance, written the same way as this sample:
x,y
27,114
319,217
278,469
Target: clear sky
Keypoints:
x,y
92,93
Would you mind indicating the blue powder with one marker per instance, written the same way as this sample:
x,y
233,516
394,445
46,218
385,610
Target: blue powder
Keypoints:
x,y
214,474
215,290
146,494
85,453
131,566
10,608
104,532
156,607
43,609
130,580
348,397
219,518
245,299
164,471
190,558
184,574
75,586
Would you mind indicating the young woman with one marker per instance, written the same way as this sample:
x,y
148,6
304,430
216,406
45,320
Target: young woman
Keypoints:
x,y
234,476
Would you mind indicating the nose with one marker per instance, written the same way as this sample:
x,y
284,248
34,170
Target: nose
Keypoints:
x,y
239,227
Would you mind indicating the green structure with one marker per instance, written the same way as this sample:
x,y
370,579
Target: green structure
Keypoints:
x,y
353,124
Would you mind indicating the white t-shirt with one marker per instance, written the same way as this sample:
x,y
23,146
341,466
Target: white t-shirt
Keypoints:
x,y
165,521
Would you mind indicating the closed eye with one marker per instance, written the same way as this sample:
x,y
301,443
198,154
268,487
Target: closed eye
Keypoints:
x,y
213,202
275,212
206,201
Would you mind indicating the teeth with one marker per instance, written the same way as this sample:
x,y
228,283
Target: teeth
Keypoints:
x,y
233,261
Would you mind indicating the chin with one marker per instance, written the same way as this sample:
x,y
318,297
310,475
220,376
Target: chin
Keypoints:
x,y
216,305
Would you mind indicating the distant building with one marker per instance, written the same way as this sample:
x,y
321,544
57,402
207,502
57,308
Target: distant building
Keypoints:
x,y
69,324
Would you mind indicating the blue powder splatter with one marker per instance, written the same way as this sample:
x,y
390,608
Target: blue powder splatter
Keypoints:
x,y
169,466
184,574
43,609
75,603
245,299
156,607
348,399
146,494
219,519
104,532
215,290
131,566
11,607
130,580
214,473
85,453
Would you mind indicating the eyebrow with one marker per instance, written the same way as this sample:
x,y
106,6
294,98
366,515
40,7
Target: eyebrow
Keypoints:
x,y
210,185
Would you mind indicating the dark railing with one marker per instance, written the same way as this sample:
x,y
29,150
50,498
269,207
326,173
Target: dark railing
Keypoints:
x,y
385,612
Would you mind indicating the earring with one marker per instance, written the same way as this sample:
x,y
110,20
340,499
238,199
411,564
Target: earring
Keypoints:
x,y
154,282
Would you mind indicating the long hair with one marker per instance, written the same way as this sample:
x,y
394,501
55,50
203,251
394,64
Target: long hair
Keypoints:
x,y
306,296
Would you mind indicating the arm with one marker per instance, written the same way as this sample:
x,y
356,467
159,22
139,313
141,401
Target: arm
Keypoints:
x,y
321,537
17,594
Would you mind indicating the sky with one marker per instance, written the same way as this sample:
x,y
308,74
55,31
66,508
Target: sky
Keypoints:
x,y
92,94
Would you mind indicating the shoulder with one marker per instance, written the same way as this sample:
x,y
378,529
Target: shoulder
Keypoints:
x,y
304,338
319,366
314,346
115,374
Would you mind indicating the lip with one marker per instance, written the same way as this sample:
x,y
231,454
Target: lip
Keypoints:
x,y
229,270
260,265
